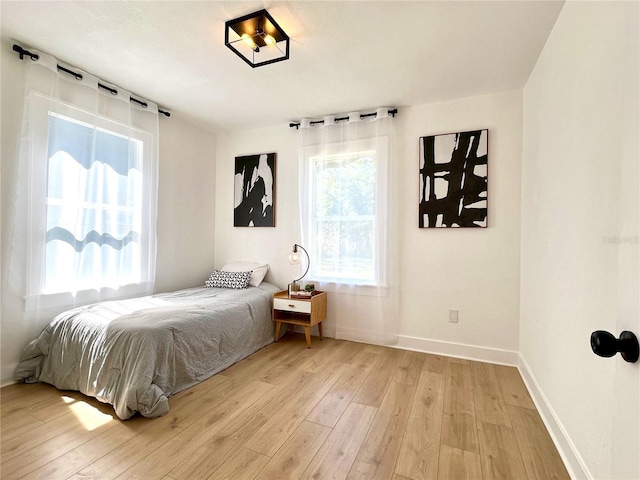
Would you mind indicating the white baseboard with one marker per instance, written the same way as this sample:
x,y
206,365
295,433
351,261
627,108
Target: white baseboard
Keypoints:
x,y
458,350
365,336
425,345
567,450
6,374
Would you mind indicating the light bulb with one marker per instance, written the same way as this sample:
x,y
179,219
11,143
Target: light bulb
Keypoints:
x,y
269,40
246,38
294,258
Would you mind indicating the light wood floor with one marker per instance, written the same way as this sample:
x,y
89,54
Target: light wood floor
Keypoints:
x,y
339,410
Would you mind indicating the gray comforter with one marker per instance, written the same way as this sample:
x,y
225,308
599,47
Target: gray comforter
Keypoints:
x,y
135,353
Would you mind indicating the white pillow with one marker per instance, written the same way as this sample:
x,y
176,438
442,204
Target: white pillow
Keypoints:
x,y
259,270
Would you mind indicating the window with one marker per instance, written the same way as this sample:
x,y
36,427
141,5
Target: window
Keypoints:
x,y
347,211
92,214
93,207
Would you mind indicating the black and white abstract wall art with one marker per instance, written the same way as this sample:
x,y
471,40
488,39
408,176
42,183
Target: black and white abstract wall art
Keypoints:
x,y
254,192
453,180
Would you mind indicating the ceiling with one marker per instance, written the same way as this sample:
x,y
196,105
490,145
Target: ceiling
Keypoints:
x,y
345,55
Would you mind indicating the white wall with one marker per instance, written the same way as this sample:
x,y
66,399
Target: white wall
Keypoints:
x,y
580,212
473,270
186,204
185,226
264,244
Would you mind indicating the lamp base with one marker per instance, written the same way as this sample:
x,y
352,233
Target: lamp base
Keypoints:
x,y
294,287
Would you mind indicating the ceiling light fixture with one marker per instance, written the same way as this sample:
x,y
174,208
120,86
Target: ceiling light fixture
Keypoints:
x,y
257,39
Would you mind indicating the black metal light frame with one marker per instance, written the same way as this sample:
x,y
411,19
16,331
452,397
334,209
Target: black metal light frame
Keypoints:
x,y
257,25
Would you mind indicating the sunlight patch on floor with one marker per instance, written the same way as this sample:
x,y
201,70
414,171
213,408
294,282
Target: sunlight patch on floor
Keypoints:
x,y
90,417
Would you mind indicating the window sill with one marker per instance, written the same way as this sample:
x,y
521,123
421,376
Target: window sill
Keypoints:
x,y
351,288
83,297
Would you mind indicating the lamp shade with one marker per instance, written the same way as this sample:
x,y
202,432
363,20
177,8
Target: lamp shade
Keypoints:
x,y
257,39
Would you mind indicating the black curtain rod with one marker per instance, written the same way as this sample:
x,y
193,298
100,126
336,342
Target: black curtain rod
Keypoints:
x,y
391,112
78,76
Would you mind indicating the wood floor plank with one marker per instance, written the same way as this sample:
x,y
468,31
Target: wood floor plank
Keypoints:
x,y
213,454
376,349
410,367
487,395
315,359
459,389
186,407
209,457
45,410
291,460
456,464
377,456
23,443
19,425
459,427
435,363
219,385
270,437
375,385
30,460
164,458
283,371
216,451
244,464
459,361
420,449
19,396
74,460
499,454
263,362
335,402
322,354
337,454
539,454
151,435
514,392
348,351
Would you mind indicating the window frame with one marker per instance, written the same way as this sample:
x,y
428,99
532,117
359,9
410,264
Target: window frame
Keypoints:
x,y
317,153
40,107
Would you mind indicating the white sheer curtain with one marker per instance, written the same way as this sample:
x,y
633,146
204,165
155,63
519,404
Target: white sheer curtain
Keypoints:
x,y
84,204
348,220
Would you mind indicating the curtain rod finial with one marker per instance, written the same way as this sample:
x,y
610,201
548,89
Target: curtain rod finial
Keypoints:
x,y
22,52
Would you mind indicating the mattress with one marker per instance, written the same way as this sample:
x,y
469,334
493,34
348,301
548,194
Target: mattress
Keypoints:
x,y
135,353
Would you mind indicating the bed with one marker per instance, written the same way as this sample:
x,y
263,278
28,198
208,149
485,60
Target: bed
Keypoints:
x,y
135,353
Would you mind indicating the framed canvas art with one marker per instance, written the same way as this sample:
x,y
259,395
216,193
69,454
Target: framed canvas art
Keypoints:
x,y
254,191
453,180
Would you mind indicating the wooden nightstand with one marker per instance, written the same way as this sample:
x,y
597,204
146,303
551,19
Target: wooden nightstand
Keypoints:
x,y
299,311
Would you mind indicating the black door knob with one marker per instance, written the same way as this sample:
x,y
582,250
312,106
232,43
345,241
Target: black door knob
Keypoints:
x,y
606,345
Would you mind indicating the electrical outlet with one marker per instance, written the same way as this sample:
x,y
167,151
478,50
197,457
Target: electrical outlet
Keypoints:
x,y
453,316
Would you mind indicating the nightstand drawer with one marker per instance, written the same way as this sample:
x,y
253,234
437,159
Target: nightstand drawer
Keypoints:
x,y
292,305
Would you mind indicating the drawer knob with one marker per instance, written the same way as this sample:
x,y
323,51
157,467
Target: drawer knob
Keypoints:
x,y
292,305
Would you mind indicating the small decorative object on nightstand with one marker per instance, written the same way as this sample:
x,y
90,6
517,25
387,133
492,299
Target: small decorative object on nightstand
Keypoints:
x,y
300,310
